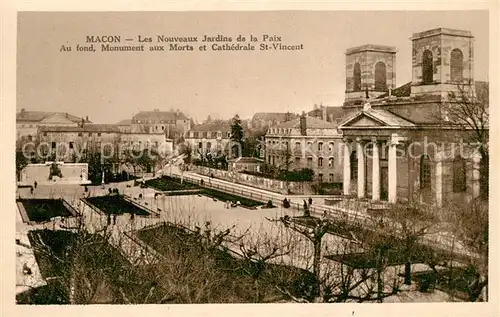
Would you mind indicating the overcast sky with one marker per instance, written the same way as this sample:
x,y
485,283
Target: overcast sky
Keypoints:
x,y
111,86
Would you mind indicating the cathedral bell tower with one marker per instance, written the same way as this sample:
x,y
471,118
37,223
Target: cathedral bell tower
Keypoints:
x,y
370,69
442,60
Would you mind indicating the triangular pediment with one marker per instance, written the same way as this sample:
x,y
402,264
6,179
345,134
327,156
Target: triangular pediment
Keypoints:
x,y
363,121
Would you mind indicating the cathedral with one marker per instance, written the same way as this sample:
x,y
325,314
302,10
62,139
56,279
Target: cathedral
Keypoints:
x,y
402,143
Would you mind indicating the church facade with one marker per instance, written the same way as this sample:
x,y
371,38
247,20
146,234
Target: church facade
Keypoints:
x,y
398,143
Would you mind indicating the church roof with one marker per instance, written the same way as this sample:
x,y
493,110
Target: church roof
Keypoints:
x,y
401,91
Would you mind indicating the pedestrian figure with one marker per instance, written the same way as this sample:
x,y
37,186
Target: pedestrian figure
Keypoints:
x,y
36,184
132,216
310,201
201,182
114,219
110,191
31,190
306,210
109,219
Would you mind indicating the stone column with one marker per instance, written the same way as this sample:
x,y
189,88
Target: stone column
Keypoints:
x,y
439,180
392,171
375,171
347,168
476,175
361,169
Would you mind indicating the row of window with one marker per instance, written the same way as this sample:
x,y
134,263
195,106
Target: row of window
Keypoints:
x,y
456,66
208,145
299,144
320,161
380,77
208,134
280,131
80,134
155,143
160,121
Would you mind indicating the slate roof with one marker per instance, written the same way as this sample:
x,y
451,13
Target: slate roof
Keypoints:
x,y
86,128
269,116
401,91
38,116
212,126
156,116
311,123
124,122
336,112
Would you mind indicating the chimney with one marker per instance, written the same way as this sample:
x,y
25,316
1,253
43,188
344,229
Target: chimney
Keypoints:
x,y
83,122
23,110
87,119
303,124
324,115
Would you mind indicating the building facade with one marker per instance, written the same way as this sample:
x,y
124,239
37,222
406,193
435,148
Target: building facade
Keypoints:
x,y
28,122
70,144
249,164
173,124
211,137
404,147
306,142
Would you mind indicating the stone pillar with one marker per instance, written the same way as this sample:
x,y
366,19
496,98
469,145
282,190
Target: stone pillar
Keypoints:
x,y
392,171
375,171
347,168
303,149
439,181
361,169
476,175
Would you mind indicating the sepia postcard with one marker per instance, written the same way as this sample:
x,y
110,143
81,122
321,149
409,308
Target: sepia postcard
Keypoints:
x,y
298,160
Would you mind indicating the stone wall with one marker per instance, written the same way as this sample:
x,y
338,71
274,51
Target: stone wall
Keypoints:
x,y
256,181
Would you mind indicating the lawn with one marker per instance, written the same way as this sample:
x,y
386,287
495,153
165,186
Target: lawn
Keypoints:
x,y
40,210
169,184
226,278
115,204
166,183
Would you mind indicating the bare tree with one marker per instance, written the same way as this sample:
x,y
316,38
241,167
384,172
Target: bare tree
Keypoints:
x,y
467,109
405,224
469,225
259,252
